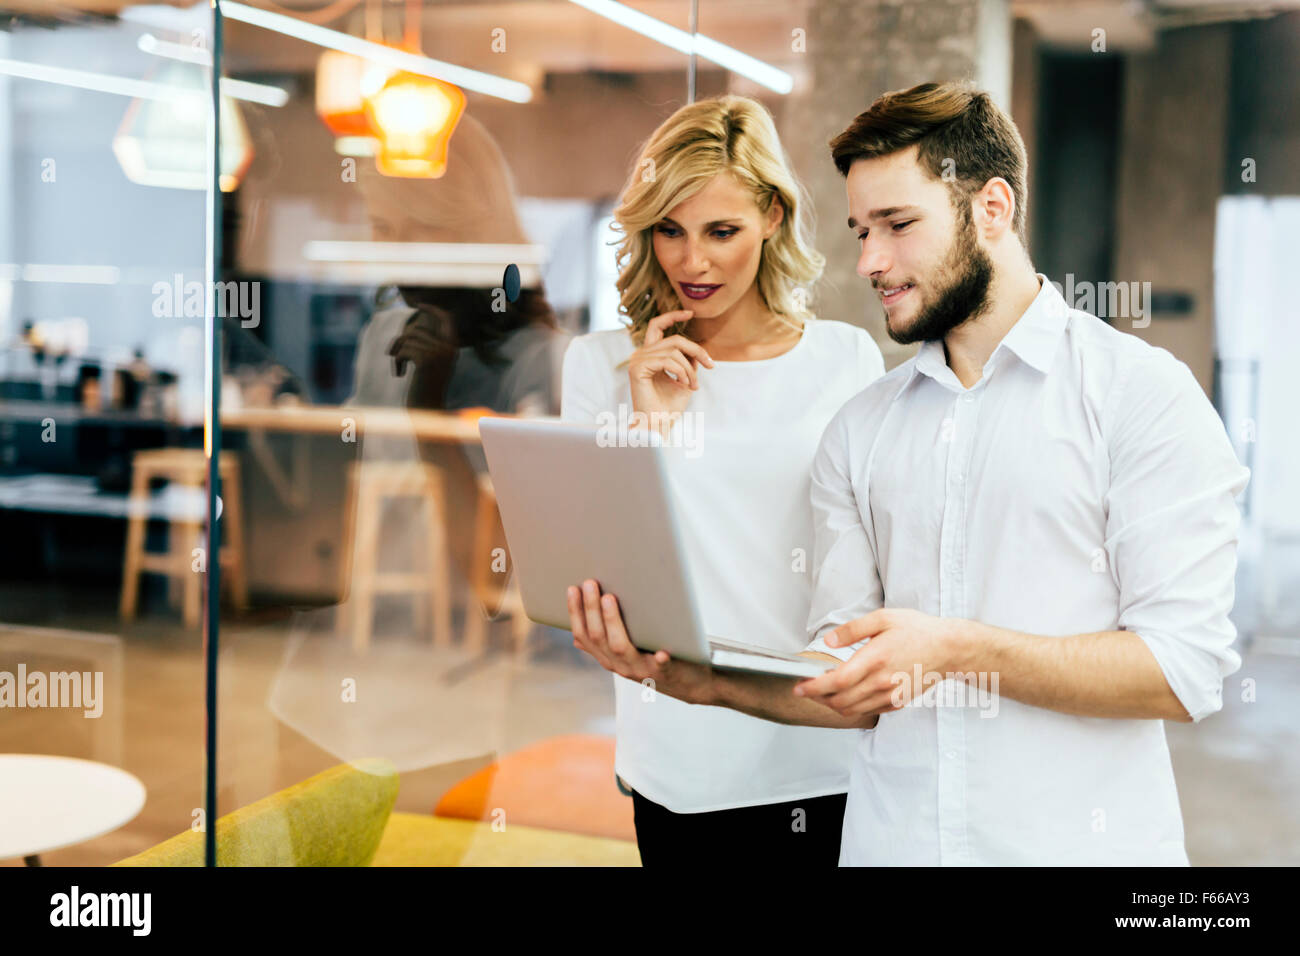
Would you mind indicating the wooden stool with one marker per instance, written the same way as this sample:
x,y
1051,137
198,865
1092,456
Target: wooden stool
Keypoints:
x,y
512,604
373,484
187,467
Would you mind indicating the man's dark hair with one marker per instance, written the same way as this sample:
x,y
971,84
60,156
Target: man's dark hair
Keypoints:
x,y
946,121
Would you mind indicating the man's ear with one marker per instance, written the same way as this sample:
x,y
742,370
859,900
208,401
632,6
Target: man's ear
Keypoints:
x,y
995,206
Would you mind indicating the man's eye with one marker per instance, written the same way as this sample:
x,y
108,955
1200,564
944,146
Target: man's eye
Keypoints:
x,y
901,225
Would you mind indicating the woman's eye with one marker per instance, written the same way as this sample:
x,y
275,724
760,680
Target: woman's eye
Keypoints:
x,y
725,233
667,231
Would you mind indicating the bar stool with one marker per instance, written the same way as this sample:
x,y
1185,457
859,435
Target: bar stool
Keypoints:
x,y
373,484
186,467
512,603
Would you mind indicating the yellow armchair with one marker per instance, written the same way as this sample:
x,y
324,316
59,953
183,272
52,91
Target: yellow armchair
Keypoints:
x,y
343,817
335,818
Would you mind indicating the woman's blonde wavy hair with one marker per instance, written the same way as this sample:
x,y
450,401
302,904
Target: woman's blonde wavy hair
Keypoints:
x,y
732,134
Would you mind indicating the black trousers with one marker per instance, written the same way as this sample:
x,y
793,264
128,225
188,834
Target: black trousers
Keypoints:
x,y
799,833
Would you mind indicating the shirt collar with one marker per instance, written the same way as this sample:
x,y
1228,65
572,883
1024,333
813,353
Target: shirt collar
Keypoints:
x,y
1035,335
1033,338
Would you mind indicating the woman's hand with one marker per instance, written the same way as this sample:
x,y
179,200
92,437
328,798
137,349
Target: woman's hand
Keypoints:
x,y
598,629
428,343
429,335
653,391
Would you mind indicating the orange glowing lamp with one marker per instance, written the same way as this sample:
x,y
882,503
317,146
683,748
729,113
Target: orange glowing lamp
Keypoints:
x,y
343,82
413,117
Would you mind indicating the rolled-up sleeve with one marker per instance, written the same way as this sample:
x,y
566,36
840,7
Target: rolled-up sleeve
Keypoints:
x,y
1171,527
846,582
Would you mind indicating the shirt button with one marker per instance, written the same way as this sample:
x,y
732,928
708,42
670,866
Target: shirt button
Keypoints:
x,y
952,755
960,478
968,399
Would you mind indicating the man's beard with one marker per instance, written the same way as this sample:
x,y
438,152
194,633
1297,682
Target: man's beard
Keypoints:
x,y
963,298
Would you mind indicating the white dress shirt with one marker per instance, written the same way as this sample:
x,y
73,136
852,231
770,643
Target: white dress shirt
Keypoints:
x,y
1083,484
741,494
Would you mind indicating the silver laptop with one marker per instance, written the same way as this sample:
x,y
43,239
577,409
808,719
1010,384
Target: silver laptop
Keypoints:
x,y
574,509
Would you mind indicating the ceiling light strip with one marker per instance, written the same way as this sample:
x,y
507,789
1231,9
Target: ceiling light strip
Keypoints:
x,y
498,86
684,42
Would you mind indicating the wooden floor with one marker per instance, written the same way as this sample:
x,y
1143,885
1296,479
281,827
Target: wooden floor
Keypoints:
x,y
153,720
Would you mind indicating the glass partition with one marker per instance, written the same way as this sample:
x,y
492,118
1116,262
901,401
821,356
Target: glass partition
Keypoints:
x,y
105,192
408,282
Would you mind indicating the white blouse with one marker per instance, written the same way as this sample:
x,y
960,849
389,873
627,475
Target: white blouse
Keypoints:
x,y
741,484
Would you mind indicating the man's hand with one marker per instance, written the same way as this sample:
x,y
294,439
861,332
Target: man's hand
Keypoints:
x,y
598,629
881,676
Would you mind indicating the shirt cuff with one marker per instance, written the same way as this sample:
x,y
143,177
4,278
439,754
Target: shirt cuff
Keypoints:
x,y
1194,675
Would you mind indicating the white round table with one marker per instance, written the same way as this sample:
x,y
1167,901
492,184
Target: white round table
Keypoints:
x,y
51,802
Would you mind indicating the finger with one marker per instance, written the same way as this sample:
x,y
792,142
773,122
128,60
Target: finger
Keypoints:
x,y
693,348
591,608
874,694
881,703
657,364
679,370
858,629
852,696
823,685
577,623
833,681
573,599
691,378
633,664
615,632
655,329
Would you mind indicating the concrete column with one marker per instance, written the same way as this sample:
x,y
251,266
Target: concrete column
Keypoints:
x,y
858,49
1171,171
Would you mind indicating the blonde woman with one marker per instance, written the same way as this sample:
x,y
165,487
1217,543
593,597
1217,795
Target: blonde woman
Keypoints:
x,y
715,277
